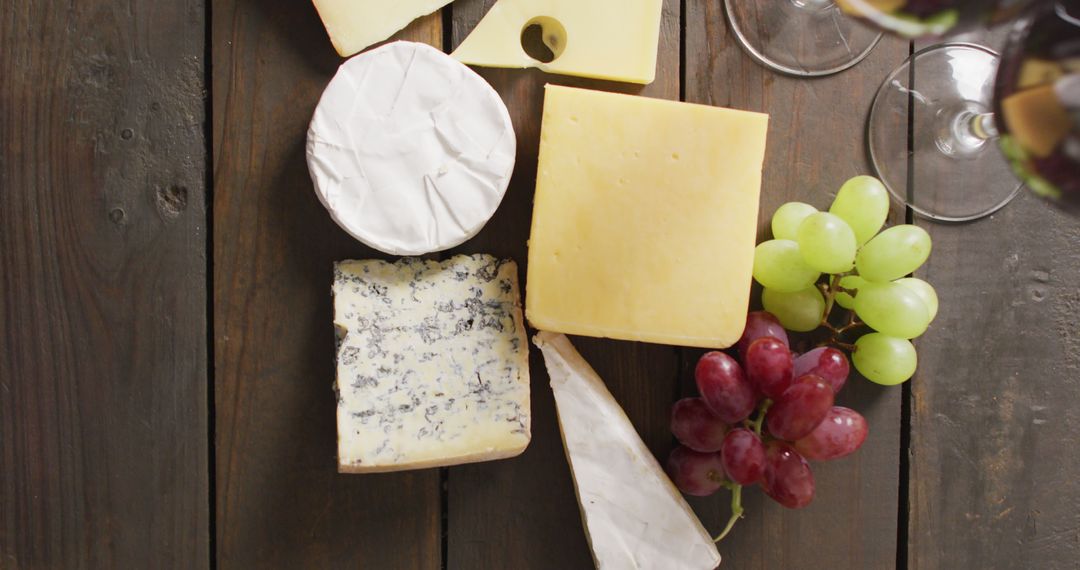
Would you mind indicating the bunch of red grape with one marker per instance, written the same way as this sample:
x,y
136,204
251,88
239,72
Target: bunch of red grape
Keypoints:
x,y
722,445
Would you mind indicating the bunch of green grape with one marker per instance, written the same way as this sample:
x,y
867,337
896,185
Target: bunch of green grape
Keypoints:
x,y
867,271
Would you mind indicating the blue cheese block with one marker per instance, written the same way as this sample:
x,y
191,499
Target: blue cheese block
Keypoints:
x,y
432,363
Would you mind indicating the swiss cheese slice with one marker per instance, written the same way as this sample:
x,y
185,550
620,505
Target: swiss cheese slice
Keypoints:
x,y
354,25
633,515
604,39
645,218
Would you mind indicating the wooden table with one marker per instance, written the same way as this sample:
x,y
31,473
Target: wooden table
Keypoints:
x,y
166,361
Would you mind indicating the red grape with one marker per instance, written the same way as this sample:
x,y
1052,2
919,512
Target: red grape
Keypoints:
x,y
842,433
800,408
694,472
769,366
760,324
743,456
788,478
724,387
696,427
827,362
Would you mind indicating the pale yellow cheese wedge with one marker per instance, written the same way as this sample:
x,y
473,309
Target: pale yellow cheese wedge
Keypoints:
x,y
354,25
1037,119
604,39
1035,72
645,218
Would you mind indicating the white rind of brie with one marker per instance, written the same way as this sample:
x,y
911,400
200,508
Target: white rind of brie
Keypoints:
x,y
410,151
634,516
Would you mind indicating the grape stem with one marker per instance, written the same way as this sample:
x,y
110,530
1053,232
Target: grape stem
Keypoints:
x,y
853,323
736,490
830,291
756,426
736,511
830,300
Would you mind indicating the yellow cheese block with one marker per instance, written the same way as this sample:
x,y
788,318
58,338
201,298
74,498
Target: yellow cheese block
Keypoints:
x,y
354,25
604,39
1037,119
1035,72
645,218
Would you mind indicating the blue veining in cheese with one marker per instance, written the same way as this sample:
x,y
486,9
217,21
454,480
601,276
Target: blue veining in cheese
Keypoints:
x,y
432,363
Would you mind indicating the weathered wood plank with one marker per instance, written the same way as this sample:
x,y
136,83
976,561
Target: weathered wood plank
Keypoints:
x,y
816,141
103,416
280,502
522,513
994,414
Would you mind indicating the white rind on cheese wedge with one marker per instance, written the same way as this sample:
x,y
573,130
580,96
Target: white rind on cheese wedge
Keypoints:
x,y
354,25
410,151
432,363
634,516
602,39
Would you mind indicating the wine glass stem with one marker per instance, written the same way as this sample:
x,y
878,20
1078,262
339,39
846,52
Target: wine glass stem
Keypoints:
x,y
964,131
982,126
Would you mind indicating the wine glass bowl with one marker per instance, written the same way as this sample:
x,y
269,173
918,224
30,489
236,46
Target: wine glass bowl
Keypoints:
x,y
1037,102
933,18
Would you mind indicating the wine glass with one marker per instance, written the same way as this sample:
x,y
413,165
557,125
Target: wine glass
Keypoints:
x,y
804,38
1037,103
945,94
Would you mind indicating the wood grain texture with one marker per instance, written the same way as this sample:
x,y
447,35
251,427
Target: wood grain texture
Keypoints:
x,y
816,142
280,501
994,413
103,416
522,513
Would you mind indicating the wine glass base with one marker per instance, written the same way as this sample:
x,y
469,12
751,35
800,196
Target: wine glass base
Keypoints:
x,y
921,141
803,38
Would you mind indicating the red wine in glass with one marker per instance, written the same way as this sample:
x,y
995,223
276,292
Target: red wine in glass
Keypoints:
x,y
1037,102
933,18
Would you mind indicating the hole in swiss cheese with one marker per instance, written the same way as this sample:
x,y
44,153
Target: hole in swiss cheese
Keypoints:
x,y
543,38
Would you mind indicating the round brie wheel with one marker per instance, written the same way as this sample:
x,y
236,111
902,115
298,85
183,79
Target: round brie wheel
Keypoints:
x,y
410,151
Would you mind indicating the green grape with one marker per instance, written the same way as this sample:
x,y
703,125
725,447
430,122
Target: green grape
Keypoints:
x,y
786,220
845,300
894,253
862,202
800,311
884,359
827,243
779,265
925,291
892,309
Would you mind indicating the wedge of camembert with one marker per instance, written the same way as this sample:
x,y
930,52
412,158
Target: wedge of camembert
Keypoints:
x,y
432,363
634,516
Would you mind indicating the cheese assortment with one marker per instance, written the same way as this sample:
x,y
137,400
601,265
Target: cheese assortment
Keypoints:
x,y
410,151
355,25
643,229
432,363
603,39
633,515
645,218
